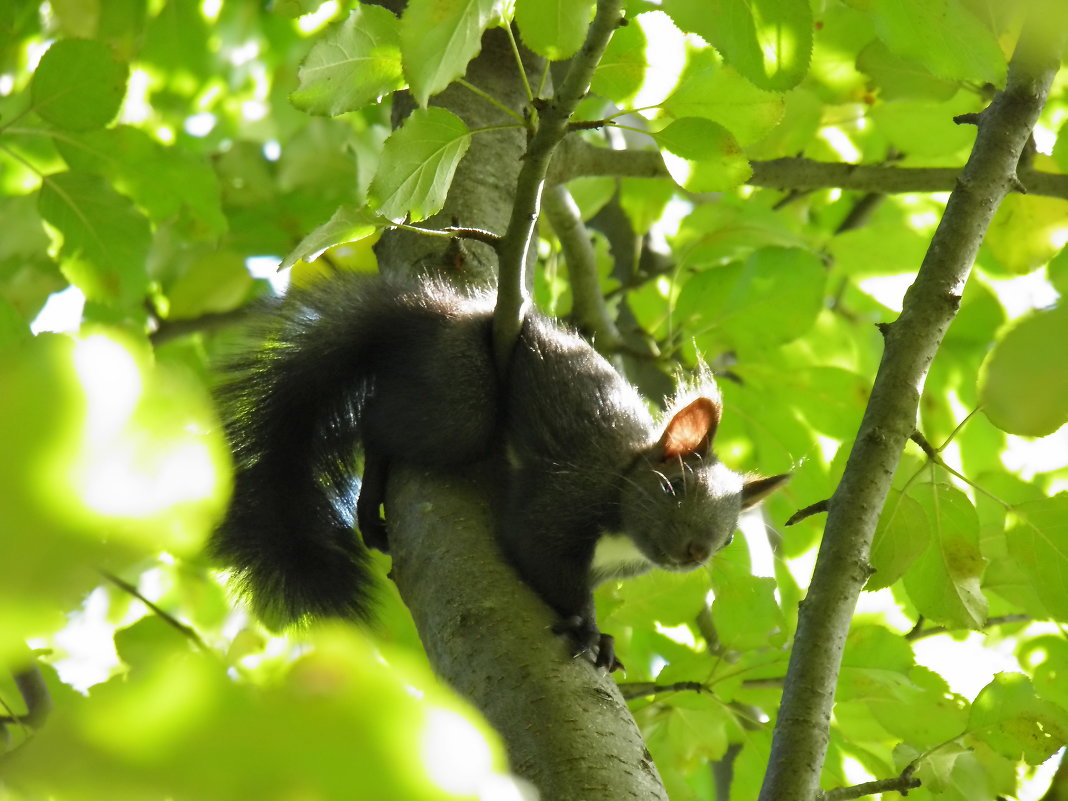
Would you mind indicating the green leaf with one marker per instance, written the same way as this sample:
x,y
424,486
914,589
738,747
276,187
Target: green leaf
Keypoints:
x,y
554,29
215,281
79,85
773,297
418,163
745,611
110,459
164,181
944,581
924,128
1026,232
1012,720
706,157
899,77
1058,266
722,95
353,65
767,41
1039,544
438,38
177,40
831,399
1023,390
105,239
943,36
621,71
349,224
902,535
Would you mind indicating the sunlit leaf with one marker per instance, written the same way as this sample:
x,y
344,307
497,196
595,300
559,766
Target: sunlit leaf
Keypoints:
x,y
943,581
1026,232
767,41
418,163
942,35
438,38
554,29
621,70
707,157
355,64
347,225
1039,544
1011,719
105,238
902,535
723,96
79,85
1023,391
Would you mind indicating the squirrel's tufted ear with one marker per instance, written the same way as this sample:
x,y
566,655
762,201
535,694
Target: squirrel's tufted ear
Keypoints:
x,y
691,430
754,490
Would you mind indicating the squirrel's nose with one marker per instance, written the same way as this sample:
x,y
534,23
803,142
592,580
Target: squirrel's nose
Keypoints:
x,y
697,552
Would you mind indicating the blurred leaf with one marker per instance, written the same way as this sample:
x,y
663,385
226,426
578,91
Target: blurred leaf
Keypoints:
x,y
899,77
1039,544
214,281
354,65
943,35
105,239
418,162
1024,233
163,181
767,41
554,29
723,96
774,297
925,128
79,85
1022,390
137,738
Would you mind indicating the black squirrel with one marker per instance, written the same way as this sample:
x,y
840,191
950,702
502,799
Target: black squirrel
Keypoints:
x,y
595,489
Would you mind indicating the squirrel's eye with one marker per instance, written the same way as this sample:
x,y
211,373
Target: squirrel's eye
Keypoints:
x,y
673,486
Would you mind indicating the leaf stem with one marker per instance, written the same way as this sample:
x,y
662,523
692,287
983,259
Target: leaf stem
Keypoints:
x,y
491,100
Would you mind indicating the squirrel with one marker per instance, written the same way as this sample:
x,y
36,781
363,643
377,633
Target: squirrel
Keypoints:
x,y
595,488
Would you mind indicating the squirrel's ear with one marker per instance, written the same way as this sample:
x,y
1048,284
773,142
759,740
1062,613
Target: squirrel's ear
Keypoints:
x,y
690,430
755,490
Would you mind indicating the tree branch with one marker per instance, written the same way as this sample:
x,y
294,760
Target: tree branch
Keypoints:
x,y
588,307
801,735
552,125
900,784
581,158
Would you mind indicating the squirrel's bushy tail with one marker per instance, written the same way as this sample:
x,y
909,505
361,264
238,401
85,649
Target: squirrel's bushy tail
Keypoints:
x,y
293,407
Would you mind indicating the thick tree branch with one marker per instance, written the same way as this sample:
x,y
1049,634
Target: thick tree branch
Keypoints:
x,y
801,734
580,158
563,722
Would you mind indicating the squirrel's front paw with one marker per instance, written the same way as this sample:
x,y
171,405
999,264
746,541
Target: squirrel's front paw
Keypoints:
x,y
586,638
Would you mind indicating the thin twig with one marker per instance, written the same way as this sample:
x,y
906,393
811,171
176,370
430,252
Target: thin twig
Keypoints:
x,y
186,631
900,784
